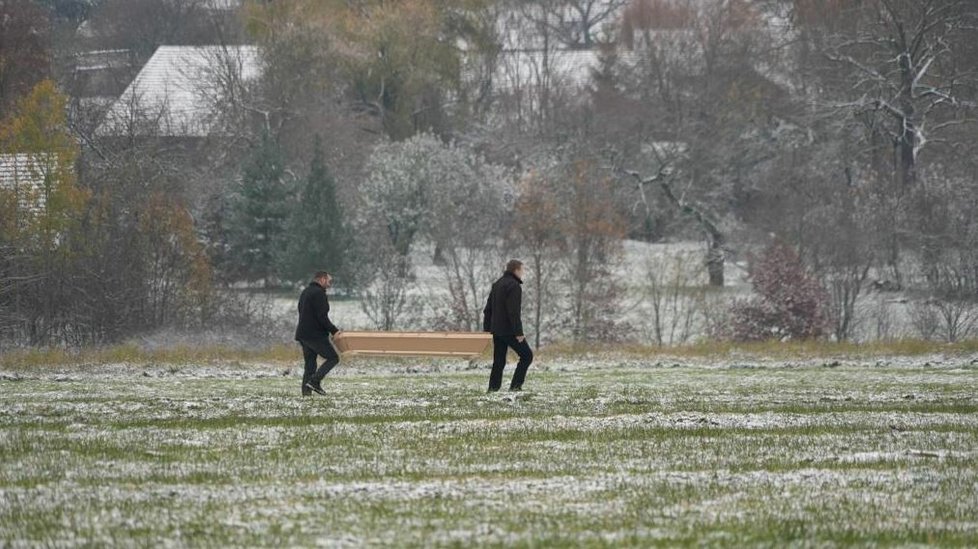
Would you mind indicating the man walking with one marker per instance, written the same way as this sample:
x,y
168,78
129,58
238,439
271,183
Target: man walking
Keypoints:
x,y
502,317
313,333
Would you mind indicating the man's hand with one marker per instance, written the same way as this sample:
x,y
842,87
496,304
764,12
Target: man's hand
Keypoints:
x,y
521,339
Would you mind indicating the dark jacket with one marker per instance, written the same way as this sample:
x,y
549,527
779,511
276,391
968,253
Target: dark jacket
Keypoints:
x,y
314,320
502,313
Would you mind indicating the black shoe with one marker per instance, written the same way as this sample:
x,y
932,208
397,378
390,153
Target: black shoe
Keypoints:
x,y
306,392
515,388
315,387
492,390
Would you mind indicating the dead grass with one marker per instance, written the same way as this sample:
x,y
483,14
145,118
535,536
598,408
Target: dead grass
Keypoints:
x,y
772,349
288,353
135,355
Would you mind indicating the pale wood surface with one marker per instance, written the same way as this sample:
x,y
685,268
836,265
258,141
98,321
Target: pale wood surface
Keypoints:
x,y
445,344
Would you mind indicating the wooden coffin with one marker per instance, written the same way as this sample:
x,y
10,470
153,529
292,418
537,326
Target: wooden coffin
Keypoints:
x,y
449,344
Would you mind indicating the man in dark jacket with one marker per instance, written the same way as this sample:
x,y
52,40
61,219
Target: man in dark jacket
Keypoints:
x,y
502,317
313,333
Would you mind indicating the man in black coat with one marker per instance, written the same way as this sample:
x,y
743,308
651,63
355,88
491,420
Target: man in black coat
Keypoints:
x,y
502,317
313,333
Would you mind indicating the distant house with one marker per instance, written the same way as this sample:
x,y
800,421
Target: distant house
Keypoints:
x,y
180,92
24,175
96,78
100,73
221,5
543,47
521,68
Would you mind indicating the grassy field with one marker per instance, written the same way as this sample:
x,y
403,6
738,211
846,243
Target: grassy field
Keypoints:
x,y
609,451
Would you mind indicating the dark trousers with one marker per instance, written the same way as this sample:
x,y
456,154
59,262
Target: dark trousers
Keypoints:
x,y
500,346
312,348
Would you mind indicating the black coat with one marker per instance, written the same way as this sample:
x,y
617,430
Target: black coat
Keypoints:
x,y
502,313
314,320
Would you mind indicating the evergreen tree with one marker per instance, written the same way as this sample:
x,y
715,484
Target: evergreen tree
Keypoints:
x,y
318,234
260,215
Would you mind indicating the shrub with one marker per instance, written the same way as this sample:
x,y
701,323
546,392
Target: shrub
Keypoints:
x,y
790,303
949,319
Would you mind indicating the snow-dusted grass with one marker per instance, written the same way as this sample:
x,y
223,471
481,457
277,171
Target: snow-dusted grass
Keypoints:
x,y
608,451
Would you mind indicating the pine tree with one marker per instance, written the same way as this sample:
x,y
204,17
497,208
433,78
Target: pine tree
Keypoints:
x,y
260,215
319,237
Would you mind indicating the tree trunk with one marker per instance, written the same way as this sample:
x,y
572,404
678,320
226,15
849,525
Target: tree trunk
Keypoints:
x,y
538,288
715,264
439,256
716,238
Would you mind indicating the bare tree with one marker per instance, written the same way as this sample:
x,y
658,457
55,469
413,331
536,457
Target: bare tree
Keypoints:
x,y
387,281
575,23
897,65
952,319
142,25
959,318
536,233
674,296
592,230
706,139
25,56
467,198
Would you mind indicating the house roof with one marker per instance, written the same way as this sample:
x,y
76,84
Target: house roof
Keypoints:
x,y
221,5
99,60
179,90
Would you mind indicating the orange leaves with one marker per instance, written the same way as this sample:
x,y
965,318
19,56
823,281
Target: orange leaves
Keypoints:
x,y
658,14
592,209
578,206
174,252
537,212
167,223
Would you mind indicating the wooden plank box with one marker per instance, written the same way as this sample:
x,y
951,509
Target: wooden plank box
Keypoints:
x,y
447,344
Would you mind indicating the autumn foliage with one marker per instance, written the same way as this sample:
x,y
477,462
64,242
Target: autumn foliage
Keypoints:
x,y
790,303
87,267
38,131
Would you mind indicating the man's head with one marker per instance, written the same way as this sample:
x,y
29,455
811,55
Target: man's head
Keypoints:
x,y
515,267
323,278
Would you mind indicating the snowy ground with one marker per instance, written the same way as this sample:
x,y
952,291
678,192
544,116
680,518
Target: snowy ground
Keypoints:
x,y
879,314
601,452
429,287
